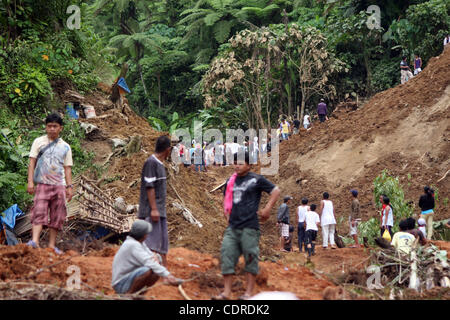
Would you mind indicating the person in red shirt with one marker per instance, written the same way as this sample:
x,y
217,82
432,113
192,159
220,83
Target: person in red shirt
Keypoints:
x,y
381,212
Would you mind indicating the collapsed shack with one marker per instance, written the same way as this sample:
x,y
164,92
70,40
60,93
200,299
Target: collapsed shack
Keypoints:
x,y
91,218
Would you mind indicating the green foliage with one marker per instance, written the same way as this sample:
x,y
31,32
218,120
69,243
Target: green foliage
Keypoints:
x,y
27,91
390,186
385,74
13,164
73,134
423,29
369,229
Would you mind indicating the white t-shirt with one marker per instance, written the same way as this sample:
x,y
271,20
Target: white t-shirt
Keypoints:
x,y
306,119
446,41
301,211
312,219
50,166
390,217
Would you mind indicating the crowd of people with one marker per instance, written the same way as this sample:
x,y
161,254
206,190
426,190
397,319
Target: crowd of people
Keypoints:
x,y
217,153
142,258
309,220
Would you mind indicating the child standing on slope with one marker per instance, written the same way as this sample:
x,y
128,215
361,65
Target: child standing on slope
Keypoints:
x,y
312,221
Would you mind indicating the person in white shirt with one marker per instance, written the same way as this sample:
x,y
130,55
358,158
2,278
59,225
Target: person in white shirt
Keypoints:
x,y
387,218
135,265
301,215
328,221
312,221
422,226
306,121
447,41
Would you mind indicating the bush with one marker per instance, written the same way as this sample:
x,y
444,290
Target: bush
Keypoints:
x,y
390,186
73,134
386,74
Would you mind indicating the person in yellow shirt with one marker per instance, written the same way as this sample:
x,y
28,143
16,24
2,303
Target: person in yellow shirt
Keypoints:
x,y
285,129
402,240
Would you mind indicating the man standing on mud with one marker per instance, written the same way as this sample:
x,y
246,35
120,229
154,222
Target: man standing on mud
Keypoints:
x,y
242,197
322,110
152,200
50,180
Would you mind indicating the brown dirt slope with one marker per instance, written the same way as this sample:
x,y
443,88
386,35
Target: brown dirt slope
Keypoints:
x,y
404,129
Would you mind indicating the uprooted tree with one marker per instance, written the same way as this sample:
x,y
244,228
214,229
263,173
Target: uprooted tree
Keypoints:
x,y
247,74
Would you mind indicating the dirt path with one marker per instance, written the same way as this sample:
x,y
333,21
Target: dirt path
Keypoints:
x,y
203,270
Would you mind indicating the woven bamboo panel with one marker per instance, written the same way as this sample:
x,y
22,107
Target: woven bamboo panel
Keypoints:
x,y
93,205
89,204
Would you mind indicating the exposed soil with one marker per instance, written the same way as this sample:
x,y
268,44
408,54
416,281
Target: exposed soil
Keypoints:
x,y
404,129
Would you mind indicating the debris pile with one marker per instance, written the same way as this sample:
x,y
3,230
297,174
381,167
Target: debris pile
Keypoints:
x,y
425,268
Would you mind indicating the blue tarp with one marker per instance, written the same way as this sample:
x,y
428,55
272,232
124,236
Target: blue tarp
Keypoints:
x,y
123,85
8,217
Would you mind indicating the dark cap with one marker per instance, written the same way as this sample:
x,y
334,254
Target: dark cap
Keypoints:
x,y
286,198
354,192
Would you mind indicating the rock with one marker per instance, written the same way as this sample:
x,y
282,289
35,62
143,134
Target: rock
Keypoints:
x,y
119,204
88,127
116,142
132,208
134,145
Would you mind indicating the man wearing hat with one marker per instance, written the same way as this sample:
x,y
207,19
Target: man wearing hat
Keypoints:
x,y
283,221
355,218
135,265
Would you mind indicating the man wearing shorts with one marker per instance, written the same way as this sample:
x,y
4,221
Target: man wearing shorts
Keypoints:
x,y
152,200
134,265
242,234
50,180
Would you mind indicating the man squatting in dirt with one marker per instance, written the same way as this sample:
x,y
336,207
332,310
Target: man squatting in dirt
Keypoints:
x,y
50,180
242,197
152,200
135,265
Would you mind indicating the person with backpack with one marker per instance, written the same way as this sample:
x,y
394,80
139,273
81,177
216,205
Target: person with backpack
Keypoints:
x,y
426,204
387,217
50,180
